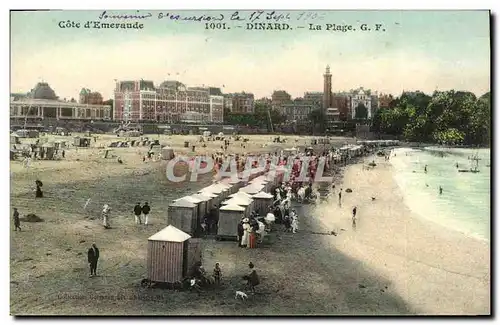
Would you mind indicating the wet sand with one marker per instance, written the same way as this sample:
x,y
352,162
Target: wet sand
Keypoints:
x,y
433,269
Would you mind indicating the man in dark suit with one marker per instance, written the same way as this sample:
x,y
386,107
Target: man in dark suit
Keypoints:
x,y
17,222
137,213
145,210
93,257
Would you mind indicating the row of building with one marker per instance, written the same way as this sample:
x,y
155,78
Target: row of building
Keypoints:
x,y
336,106
135,100
174,102
43,103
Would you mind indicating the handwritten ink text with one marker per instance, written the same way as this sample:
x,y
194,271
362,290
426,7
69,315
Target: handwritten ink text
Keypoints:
x,y
105,15
190,18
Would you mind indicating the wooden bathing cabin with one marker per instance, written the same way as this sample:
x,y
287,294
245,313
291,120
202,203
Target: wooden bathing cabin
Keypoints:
x,y
171,255
262,202
183,215
245,202
229,218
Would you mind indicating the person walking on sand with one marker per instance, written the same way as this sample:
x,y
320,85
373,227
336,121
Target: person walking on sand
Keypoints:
x,y
354,210
440,190
39,185
145,210
252,278
105,216
217,274
138,213
425,169
17,222
93,257
340,197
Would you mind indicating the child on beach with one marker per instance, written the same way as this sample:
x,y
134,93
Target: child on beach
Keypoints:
x,y
217,273
354,218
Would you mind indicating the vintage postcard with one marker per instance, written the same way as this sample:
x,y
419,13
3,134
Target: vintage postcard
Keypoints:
x,y
250,162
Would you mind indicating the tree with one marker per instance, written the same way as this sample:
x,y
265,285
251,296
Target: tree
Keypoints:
x,y
318,119
450,136
451,117
361,112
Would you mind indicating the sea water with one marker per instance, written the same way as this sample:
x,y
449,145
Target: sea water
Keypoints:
x,y
464,204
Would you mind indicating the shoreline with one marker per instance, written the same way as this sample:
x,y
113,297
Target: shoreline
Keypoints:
x,y
412,252
447,222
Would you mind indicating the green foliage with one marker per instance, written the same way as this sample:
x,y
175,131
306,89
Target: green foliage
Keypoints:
x,y
318,119
446,117
361,112
450,136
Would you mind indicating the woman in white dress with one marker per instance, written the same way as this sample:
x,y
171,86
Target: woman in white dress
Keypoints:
x,y
105,216
246,233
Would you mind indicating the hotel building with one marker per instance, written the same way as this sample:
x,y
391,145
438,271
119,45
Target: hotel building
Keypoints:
x,y
171,102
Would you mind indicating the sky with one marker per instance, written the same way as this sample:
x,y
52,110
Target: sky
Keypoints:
x,y
414,50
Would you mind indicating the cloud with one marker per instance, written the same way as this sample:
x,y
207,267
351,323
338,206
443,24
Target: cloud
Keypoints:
x,y
296,65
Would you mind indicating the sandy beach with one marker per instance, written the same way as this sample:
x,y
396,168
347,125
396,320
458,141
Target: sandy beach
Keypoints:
x,y
393,264
433,269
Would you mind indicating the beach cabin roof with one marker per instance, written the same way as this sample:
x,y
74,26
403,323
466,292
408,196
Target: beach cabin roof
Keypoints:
x,y
202,197
229,180
242,194
207,194
263,195
222,185
183,203
252,189
190,199
238,200
216,188
210,189
170,234
232,208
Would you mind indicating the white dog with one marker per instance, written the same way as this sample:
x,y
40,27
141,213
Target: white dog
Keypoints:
x,y
240,294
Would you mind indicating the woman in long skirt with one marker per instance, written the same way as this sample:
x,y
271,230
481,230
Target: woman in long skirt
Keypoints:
x,y
246,233
105,216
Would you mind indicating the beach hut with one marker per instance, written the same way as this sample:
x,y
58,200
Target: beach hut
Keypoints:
x,y
207,199
221,190
48,150
183,214
213,198
245,202
171,255
167,153
242,194
233,185
262,180
81,142
237,182
229,218
200,204
262,201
